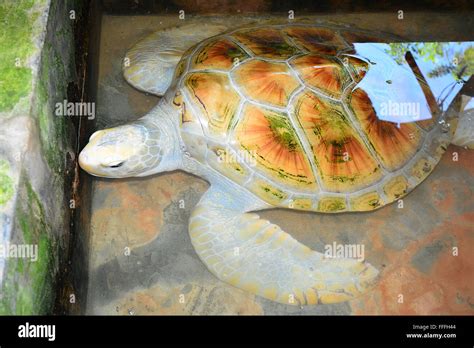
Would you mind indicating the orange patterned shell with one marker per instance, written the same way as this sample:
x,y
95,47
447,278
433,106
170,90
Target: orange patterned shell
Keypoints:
x,y
277,109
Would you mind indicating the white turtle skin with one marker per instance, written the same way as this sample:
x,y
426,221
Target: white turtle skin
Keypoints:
x,y
236,246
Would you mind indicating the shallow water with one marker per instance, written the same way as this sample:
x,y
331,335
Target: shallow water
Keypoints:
x,y
162,274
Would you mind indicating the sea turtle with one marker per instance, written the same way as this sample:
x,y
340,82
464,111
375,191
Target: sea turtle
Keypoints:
x,y
272,115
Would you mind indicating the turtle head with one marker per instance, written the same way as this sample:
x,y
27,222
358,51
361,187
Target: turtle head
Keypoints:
x,y
136,149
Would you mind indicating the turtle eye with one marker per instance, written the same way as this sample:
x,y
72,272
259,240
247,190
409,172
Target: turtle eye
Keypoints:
x,y
117,165
113,164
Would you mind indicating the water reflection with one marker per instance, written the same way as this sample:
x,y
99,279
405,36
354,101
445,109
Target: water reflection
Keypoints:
x,y
409,82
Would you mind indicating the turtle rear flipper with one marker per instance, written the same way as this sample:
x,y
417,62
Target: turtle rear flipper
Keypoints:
x,y
150,64
255,255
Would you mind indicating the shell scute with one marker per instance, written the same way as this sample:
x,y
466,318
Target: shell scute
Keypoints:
x,y
224,160
266,42
357,67
332,204
396,187
267,191
421,168
324,74
366,201
218,101
301,203
218,54
319,40
266,82
186,116
343,160
269,137
394,145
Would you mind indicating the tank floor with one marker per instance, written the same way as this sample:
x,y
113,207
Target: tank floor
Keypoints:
x,y
412,246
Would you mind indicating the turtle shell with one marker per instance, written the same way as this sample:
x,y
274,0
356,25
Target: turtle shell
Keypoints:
x,y
279,110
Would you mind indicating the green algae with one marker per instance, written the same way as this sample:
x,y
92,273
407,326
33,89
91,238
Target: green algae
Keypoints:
x,y
28,285
6,183
15,48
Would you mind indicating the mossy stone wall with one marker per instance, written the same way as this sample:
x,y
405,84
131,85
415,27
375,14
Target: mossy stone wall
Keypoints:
x,y
36,66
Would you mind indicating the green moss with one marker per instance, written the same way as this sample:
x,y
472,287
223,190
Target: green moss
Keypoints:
x,y
28,286
9,290
35,208
15,48
20,266
51,134
6,183
17,297
19,84
24,302
41,270
23,222
55,71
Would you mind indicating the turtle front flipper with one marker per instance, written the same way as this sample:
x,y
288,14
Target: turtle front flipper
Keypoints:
x,y
253,254
150,64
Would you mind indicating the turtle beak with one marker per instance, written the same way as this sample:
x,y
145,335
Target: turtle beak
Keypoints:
x,y
87,158
94,135
86,162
